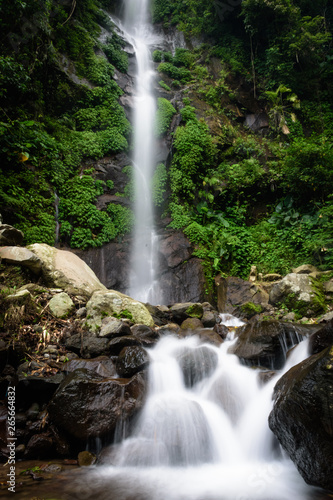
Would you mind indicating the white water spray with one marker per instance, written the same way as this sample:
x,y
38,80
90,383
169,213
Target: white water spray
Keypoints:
x,y
205,438
143,286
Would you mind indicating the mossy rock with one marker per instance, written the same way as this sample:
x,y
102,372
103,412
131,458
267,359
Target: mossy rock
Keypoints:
x,y
195,311
249,309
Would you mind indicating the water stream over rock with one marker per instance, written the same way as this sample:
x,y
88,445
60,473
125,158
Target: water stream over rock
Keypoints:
x,y
203,432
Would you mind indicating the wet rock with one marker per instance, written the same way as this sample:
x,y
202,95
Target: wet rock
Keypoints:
x,y
266,376
209,319
301,417
191,324
178,311
39,446
21,257
160,314
85,459
144,332
131,360
39,389
113,327
87,405
209,336
33,411
169,329
321,339
101,365
197,364
117,344
221,330
87,345
265,343
61,442
66,270
111,302
9,235
61,305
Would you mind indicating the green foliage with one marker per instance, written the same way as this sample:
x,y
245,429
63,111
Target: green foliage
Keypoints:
x,y
122,217
164,114
115,54
157,56
159,181
182,74
164,85
194,153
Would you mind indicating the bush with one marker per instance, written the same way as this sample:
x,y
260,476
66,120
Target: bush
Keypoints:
x,y
164,114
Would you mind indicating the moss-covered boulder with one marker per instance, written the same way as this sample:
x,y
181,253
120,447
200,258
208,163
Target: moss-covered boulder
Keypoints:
x,y
299,292
111,303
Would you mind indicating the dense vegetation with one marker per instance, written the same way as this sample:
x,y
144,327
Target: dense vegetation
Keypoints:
x,y
247,198
241,197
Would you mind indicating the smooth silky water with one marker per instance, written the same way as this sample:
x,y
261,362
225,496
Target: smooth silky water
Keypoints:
x,y
210,441
138,32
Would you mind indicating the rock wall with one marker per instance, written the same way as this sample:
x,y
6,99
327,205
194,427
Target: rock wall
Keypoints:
x,y
181,276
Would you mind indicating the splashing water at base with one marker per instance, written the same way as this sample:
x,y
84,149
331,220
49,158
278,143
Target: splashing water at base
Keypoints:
x,y
206,441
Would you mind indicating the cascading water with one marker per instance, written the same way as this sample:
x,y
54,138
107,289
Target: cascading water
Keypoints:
x,y
203,432
143,260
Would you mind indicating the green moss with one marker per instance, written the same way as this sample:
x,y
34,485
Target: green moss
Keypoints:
x,y
194,311
125,313
250,309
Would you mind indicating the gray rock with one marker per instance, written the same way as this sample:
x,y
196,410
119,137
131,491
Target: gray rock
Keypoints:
x,y
87,346
61,305
9,235
109,302
297,290
21,256
113,327
66,270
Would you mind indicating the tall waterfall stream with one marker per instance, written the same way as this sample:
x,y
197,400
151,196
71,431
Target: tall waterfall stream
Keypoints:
x,y
138,32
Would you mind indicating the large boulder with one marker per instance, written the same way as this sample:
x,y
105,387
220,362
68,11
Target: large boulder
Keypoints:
x,y
87,405
302,417
109,303
237,297
21,256
63,269
299,292
265,343
9,235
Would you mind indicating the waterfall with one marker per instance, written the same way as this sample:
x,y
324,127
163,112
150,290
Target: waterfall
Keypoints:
x,y
204,437
143,286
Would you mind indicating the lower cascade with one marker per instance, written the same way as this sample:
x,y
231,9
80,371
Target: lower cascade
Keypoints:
x,y
203,432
